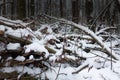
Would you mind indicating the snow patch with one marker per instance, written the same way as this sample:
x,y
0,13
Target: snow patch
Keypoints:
x,y
13,46
20,58
37,48
2,27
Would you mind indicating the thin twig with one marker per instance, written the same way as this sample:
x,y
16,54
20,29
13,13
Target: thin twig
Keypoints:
x,y
103,57
87,31
82,68
101,12
111,50
58,72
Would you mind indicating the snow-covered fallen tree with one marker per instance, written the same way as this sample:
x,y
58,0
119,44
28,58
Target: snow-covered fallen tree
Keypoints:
x,y
89,32
14,23
50,50
83,28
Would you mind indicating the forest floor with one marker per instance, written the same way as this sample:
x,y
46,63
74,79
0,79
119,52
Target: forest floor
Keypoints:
x,y
58,51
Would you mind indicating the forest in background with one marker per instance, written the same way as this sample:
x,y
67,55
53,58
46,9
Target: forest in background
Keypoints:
x,y
79,11
59,39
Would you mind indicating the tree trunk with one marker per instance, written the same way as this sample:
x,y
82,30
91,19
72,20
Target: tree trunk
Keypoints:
x,y
89,10
32,5
4,7
21,9
75,11
61,8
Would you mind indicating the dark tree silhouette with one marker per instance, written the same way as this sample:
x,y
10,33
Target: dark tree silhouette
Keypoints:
x,y
75,11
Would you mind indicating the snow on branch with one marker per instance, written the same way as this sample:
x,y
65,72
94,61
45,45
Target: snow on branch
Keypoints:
x,y
87,31
104,29
13,23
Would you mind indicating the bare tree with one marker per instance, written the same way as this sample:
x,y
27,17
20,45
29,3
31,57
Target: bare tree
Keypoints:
x,y
75,11
61,8
21,12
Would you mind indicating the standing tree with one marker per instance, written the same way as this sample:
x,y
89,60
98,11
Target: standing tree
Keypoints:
x,y
88,10
4,7
21,10
61,8
75,11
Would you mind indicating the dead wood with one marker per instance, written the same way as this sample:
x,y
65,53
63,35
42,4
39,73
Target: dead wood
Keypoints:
x,y
87,31
14,39
13,23
104,29
82,68
50,50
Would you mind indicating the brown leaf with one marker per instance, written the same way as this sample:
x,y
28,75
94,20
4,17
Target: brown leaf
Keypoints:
x,y
1,32
44,30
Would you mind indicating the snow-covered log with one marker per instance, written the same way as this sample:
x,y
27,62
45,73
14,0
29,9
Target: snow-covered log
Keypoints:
x,y
87,31
83,28
104,29
14,39
95,37
13,23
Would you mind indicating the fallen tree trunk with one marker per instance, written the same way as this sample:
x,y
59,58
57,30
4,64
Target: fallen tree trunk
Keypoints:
x,y
95,37
16,24
83,28
10,38
13,23
87,31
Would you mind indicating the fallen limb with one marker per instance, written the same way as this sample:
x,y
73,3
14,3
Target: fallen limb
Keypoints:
x,y
79,37
103,57
16,24
95,37
50,50
89,32
5,54
13,23
80,68
14,39
104,29
98,48
35,54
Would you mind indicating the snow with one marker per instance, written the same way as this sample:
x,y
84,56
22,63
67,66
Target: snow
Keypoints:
x,y
2,27
59,45
65,73
13,46
37,47
49,30
12,22
9,58
48,37
98,68
59,52
20,58
53,58
7,69
31,57
2,46
18,32
71,57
